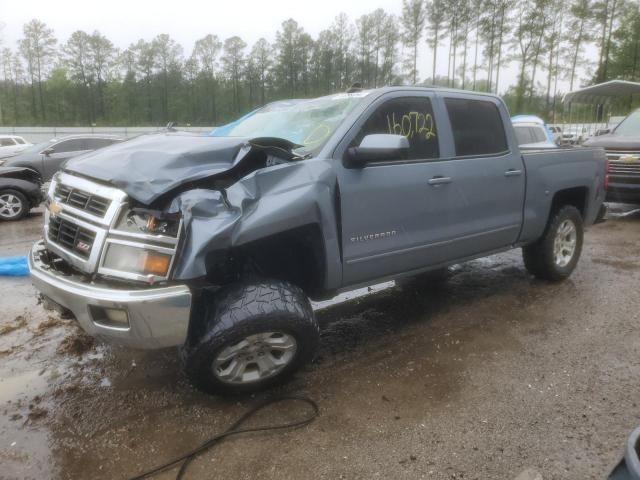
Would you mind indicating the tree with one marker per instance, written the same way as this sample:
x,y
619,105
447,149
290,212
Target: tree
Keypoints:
x,y
605,14
168,56
414,16
262,61
289,58
206,51
577,34
76,58
436,16
102,55
38,49
233,61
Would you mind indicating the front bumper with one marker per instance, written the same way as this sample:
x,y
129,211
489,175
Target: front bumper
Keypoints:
x,y
623,192
157,316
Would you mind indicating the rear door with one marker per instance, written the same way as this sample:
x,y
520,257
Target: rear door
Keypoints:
x,y
487,176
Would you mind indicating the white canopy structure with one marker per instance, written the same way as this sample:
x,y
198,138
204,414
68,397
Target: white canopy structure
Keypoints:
x,y
603,93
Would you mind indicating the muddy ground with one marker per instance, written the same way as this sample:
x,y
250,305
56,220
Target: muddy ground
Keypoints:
x,y
490,375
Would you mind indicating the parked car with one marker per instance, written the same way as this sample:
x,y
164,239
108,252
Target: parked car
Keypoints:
x,y
622,146
556,131
216,244
574,135
46,158
11,145
532,135
20,191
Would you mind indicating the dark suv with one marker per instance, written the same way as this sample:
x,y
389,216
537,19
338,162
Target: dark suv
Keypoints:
x,y
46,158
622,145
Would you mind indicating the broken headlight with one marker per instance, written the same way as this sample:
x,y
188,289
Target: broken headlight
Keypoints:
x,y
150,222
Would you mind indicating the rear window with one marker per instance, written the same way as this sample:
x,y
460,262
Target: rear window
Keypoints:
x,y
538,134
523,135
19,140
477,127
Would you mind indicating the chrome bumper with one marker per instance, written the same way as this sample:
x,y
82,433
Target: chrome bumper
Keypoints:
x,y
157,317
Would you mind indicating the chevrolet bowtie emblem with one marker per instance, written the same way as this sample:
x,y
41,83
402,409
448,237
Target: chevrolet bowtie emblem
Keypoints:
x,y
628,158
54,208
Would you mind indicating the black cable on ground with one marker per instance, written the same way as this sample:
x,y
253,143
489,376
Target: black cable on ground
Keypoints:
x,y
234,429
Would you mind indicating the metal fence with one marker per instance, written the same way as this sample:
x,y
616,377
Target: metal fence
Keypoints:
x,y
42,134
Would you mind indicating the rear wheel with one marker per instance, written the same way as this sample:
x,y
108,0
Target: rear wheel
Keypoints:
x,y
13,205
256,336
555,255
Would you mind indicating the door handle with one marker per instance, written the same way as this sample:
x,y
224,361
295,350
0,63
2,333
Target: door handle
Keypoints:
x,y
512,173
439,180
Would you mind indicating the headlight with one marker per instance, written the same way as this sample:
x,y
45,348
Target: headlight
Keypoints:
x,y
136,260
150,222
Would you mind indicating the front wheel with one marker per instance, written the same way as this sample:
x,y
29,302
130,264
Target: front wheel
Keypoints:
x,y
13,205
257,335
554,256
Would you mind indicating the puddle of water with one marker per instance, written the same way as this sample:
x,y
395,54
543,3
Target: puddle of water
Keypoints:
x,y
26,384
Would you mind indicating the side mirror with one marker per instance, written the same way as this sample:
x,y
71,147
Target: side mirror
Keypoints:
x,y
603,131
48,151
378,147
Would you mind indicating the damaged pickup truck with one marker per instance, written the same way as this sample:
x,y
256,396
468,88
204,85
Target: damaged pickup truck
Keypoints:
x,y
216,243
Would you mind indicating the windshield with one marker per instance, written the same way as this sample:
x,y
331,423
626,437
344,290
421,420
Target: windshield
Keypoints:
x,y
308,123
630,126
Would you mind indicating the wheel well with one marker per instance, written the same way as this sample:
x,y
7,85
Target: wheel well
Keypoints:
x,y
295,256
576,197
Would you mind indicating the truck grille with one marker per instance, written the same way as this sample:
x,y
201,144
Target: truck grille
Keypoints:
x,y
71,236
614,155
93,204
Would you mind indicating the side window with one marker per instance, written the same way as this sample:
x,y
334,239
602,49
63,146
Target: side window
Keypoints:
x,y
522,135
96,143
72,145
538,134
408,116
19,140
6,142
477,127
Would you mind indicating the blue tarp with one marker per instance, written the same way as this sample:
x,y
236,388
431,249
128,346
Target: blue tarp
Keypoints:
x,y
14,266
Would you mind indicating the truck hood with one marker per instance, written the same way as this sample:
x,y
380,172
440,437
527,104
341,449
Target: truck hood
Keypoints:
x,y
148,166
614,142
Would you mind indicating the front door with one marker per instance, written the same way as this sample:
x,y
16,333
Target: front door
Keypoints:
x,y
391,211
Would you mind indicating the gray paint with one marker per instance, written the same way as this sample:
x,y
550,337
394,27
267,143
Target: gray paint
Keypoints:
x,y
394,219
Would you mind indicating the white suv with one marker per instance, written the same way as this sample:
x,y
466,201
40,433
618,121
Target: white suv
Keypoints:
x,y
11,145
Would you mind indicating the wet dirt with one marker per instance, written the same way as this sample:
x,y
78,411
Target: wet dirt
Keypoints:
x,y
491,375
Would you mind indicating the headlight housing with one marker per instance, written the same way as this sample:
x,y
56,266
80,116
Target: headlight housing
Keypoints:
x,y
141,246
126,257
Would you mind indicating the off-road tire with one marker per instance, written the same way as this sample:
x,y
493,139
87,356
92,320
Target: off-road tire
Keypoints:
x,y
539,257
25,207
247,309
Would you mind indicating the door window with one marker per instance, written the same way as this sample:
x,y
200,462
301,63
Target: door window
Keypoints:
x,y
6,142
72,145
96,143
411,117
19,140
477,127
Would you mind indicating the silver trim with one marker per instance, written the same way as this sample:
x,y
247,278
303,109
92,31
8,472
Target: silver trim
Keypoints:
x,y
88,265
158,317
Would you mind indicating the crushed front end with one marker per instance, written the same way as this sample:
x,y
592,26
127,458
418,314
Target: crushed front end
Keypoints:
x,y
110,264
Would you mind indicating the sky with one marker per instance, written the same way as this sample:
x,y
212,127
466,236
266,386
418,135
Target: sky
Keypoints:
x,y
126,21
